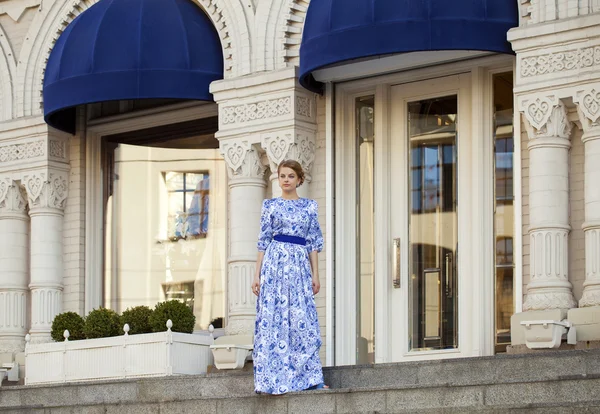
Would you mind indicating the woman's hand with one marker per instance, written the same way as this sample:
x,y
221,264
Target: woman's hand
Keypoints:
x,y
256,285
316,285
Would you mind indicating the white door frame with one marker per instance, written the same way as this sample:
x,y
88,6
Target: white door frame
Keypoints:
x,y
479,330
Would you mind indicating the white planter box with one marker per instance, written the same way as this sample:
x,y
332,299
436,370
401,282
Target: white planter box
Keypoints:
x,y
128,356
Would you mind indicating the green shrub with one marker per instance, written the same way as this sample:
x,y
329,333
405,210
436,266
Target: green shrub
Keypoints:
x,y
102,323
70,321
180,314
138,319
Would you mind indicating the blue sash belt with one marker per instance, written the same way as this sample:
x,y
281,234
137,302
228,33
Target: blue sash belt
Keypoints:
x,y
284,238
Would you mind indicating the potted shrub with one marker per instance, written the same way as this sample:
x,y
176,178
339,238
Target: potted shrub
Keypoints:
x,y
180,314
70,321
102,323
138,319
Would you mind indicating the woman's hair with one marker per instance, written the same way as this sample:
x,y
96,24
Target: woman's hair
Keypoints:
x,y
294,165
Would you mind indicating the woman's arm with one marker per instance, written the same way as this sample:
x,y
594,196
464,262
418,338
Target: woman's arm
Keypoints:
x,y
314,264
256,281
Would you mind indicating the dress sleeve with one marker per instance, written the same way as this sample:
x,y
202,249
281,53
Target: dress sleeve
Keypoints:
x,y
314,239
266,230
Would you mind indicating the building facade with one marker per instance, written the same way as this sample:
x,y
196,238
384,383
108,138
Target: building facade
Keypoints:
x,y
452,148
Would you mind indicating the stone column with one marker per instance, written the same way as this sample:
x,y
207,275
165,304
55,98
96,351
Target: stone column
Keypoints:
x,y
14,274
588,107
549,131
246,193
47,192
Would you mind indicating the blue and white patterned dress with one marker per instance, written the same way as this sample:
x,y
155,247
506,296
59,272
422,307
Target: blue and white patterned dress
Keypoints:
x,y
287,337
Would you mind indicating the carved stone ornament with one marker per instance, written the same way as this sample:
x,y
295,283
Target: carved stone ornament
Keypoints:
x,y
546,117
560,61
242,159
13,198
22,151
588,107
265,109
51,192
16,8
549,300
285,145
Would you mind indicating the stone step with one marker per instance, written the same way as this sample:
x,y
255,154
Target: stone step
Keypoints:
x,y
562,382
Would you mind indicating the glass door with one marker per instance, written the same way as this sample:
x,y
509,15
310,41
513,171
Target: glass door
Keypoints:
x,y
425,185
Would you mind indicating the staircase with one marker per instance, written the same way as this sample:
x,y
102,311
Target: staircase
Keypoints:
x,y
546,382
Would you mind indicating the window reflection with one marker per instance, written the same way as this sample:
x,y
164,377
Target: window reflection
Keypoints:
x,y
504,205
165,226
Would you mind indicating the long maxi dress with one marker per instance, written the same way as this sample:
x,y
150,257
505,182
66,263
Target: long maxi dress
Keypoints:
x,y
287,337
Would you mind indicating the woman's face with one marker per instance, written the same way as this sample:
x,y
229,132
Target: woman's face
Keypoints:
x,y
288,179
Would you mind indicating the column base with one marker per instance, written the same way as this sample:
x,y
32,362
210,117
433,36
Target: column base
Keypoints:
x,y
546,299
40,338
591,296
518,332
587,323
12,344
240,326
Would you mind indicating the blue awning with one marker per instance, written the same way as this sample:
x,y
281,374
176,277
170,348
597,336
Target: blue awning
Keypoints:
x,y
340,30
131,49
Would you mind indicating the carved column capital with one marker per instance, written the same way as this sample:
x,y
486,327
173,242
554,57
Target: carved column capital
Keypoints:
x,y
545,117
588,109
290,144
243,160
46,189
13,199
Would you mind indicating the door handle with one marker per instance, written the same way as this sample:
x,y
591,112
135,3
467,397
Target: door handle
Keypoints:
x,y
396,271
449,274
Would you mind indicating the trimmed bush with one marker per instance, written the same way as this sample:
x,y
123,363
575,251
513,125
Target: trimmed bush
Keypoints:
x,y
180,314
138,319
70,321
102,323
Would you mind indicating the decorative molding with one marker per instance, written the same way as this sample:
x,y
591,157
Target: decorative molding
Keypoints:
x,y
581,58
58,149
242,159
549,287
305,106
16,8
242,302
588,107
546,117
51,192
292,21
13,197
541,11
282,145
22,151
265,109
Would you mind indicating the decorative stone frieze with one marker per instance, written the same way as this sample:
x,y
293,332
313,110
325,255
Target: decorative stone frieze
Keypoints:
x,y
46,189
560,61
22,151
14,243
260,110
549,130
541,11
588,108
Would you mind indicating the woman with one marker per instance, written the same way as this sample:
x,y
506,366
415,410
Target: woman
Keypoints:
x,y
286,335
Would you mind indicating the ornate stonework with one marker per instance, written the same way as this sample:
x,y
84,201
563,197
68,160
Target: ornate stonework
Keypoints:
x,y
546,117
47,192
304,106
284,145
264,109
588,107
12,197
22,151
16,8
560,61
58,149
243,160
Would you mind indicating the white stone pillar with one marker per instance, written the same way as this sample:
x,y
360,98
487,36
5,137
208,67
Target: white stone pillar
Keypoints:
x,y
14,275
295,144
549,131
47,192
588,107
246,192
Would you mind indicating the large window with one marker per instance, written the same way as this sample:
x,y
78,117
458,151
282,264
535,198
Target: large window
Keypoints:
x,y
165,220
